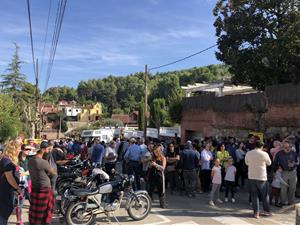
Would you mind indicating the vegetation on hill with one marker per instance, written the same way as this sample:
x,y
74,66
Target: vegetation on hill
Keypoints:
x,y
117,95
125,94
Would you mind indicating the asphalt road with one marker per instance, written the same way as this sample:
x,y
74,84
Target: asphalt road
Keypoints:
x,y
182,210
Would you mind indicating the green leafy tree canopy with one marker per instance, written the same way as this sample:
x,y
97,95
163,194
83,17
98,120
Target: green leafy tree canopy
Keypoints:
x,y
259,40
9,118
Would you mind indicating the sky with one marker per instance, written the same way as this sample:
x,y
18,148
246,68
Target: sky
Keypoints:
x,y
107,37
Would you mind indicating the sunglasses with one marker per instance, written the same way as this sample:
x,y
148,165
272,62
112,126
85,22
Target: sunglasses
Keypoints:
x,y
26,149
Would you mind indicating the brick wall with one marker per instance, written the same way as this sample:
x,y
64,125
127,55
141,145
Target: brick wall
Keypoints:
x,y
201,119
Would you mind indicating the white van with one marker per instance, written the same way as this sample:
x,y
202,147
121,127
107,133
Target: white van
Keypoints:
x,y
103,134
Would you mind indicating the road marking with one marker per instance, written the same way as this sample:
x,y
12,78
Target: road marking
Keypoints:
x,y
229,220
164,219
186,223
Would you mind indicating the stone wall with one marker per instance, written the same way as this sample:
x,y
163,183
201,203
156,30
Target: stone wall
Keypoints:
x,y
277,110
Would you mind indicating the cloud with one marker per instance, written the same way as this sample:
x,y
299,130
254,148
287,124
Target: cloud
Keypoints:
x,y
120,58
12,29
186,33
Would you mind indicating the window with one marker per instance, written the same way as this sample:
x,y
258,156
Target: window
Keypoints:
x,y
70,110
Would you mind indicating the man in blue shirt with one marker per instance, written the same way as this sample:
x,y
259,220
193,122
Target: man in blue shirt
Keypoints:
x,y
231,147
189,162
76,148
133,158
98,152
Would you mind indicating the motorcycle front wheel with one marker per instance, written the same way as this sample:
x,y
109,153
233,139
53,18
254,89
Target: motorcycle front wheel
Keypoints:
x,y
139,207
77,215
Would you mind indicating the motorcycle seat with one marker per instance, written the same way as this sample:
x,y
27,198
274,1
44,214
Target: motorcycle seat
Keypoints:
x,y
82,192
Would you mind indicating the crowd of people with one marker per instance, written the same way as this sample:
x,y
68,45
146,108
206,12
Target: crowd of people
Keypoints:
x,y
208,166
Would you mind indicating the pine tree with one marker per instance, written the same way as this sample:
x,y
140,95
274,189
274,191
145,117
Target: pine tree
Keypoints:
x,y
13,81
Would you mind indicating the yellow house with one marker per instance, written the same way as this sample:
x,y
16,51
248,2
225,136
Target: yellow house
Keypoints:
x,y
91,114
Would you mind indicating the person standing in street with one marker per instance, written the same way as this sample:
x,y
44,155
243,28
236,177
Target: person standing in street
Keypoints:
x,y
133,158
189,163
257,161
23,159
156,175
230,180
47,147
110,157
9,181
289,161
172,159
206,158
216,176
241,173
42,196
98,152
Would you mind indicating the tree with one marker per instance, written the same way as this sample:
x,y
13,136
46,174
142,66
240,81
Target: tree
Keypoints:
x,y
117,111
141,118
54,94
175,108
26,99
14,80
259,40
9,118
159,114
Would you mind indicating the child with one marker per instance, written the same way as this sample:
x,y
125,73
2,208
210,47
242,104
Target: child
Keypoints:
x,y
230,180
277,181
216,183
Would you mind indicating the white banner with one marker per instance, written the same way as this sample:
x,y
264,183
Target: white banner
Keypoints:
x,y
152,132
169,131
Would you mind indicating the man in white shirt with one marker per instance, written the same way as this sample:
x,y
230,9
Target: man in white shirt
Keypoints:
x,y
206,158
257,161
110,157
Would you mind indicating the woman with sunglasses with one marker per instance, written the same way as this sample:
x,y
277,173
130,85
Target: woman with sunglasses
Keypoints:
x,y
23,158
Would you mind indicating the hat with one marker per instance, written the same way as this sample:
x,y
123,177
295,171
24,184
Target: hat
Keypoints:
x,y
44,144
132,140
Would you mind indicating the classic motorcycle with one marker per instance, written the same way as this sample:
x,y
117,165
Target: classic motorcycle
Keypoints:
x,y
106,199
97,177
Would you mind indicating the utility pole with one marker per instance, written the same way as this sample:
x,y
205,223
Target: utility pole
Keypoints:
x,y
37,114
59,130
146,101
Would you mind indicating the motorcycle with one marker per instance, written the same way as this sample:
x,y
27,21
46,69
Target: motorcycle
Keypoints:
x,y
68,175
106,199
97,177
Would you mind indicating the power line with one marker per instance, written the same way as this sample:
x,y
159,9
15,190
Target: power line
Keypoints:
x,y
182,59
46,35
31,39
53,44
55,38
